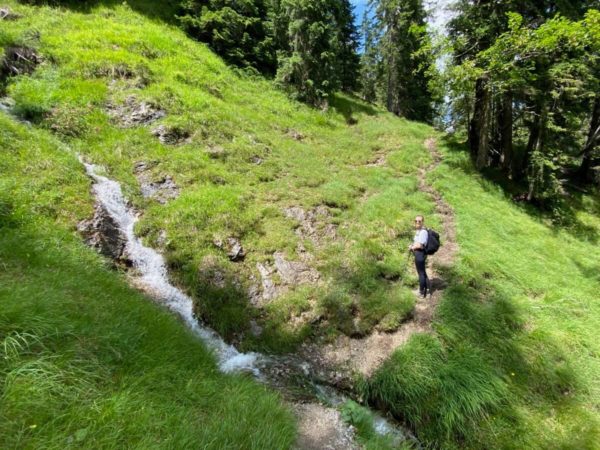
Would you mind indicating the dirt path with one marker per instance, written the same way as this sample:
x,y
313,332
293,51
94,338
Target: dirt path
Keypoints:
x,y
337,361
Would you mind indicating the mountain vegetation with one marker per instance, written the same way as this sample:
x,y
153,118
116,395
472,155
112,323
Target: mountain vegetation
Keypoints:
x,y
278,170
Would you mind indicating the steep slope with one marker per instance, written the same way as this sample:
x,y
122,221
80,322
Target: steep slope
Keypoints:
x,y
85,361
285,224
217,160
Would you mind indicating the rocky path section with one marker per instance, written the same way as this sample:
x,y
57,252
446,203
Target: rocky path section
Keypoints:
x,y
337,362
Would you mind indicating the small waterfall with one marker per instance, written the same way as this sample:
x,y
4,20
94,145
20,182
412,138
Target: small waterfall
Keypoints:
x,y
154,278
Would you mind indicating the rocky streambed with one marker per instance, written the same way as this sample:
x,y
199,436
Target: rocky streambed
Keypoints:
x,y
307,388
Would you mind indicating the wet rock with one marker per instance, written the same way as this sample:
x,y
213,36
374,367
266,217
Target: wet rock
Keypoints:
x,y
233,247
18,61
7,14
171,135
102,233
135,113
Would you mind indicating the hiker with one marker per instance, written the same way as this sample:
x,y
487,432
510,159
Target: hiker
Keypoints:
x,y
418,249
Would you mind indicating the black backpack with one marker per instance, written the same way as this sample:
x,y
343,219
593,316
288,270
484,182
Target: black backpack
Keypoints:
x,y
433,242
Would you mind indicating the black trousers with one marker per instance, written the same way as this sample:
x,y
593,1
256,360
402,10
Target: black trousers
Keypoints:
x,y
420,259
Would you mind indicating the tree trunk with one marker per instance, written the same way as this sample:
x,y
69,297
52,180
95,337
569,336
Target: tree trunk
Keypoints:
x,y
479,128
506,126
585,171
536,146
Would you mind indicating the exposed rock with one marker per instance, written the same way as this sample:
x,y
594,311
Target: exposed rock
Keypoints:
x,y
162,241
134,113
142,166
171,135
313,223
290,273
233,247
294,272
296,135
256,160
269,290
18,61
255,329
322,428
7,14
102,233
161,189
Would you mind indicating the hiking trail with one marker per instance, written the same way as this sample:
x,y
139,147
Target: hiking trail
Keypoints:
x,y
364,355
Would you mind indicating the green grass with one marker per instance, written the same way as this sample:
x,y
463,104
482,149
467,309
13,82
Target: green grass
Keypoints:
x,y
96,56
85,361
514,361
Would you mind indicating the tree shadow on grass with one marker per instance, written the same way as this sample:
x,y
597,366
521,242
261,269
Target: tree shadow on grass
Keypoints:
x,y
484,362
348,105
563,216
164,10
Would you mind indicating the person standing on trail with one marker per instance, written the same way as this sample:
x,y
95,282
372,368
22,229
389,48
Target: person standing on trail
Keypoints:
x,y
418,249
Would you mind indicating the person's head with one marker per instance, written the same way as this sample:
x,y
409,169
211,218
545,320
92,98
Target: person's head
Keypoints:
x,y
419,222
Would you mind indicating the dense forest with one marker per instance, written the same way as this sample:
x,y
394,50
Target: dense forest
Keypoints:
x,y
522,80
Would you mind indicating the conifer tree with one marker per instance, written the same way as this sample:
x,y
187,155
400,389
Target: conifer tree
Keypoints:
x,y
403,33
308,69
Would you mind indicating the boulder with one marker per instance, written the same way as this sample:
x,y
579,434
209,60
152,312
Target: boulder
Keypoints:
x,y
233,248
102,233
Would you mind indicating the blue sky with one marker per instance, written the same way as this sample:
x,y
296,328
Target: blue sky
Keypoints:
x,y
359,8
438,9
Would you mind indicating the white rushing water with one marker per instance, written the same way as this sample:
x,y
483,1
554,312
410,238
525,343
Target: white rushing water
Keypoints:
x,y
153,278
153,275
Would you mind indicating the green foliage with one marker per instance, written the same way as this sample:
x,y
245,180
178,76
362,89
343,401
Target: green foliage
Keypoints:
x,y
312,45
85,360
309,67
511,351
398,63
239,31
537,68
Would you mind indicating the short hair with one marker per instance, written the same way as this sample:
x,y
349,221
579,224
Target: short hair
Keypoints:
x,y
421,216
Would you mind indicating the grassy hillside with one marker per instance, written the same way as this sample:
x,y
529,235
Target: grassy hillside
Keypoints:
x,y
330,194
514,363
85,361
247,156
